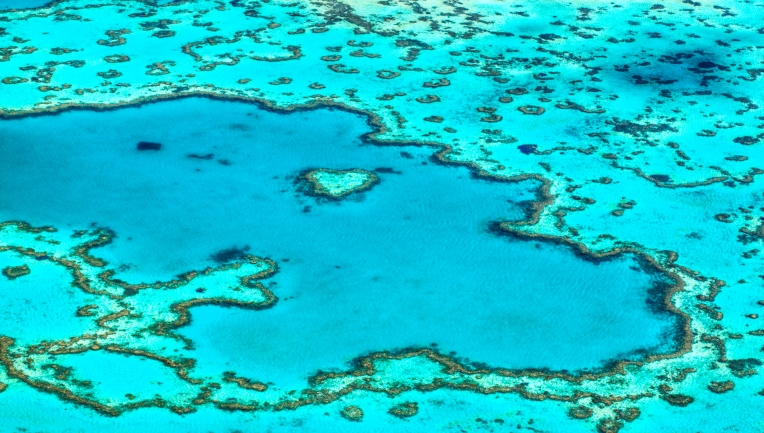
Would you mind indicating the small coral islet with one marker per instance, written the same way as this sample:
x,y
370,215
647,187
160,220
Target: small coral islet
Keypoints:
x,y
336,184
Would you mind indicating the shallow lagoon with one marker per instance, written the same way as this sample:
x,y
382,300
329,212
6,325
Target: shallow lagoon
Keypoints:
x,y
22,4
409,263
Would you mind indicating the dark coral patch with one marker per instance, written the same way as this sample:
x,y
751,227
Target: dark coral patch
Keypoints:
x,y
111,73
404,410
230,254
721,387
14,80
746,140
148,145
13,272
205,157
116,58
352,413
163,34
387,74
531,109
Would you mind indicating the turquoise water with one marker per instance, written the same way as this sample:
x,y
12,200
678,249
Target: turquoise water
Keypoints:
x,y
442,411
411,263
39,302
22,4
448,411
641,120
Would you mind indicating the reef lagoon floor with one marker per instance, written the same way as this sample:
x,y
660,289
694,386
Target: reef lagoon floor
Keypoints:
x,y
410,264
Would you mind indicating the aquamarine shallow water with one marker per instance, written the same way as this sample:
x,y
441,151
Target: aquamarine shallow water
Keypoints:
x,y
447,411
442,411
407,264
650,139
22,4
32,305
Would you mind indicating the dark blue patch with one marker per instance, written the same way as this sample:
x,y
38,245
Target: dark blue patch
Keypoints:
x,y
527,149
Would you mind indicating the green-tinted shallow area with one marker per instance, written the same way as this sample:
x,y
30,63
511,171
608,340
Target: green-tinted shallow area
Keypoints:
x,y
642,120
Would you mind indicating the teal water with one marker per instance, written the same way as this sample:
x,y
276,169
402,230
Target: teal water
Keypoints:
x,y
448,411
22,4
650,137
36,304
410,263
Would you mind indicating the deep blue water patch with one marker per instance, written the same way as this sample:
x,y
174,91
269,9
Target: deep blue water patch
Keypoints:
x,y
527,149
411,263
148,145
